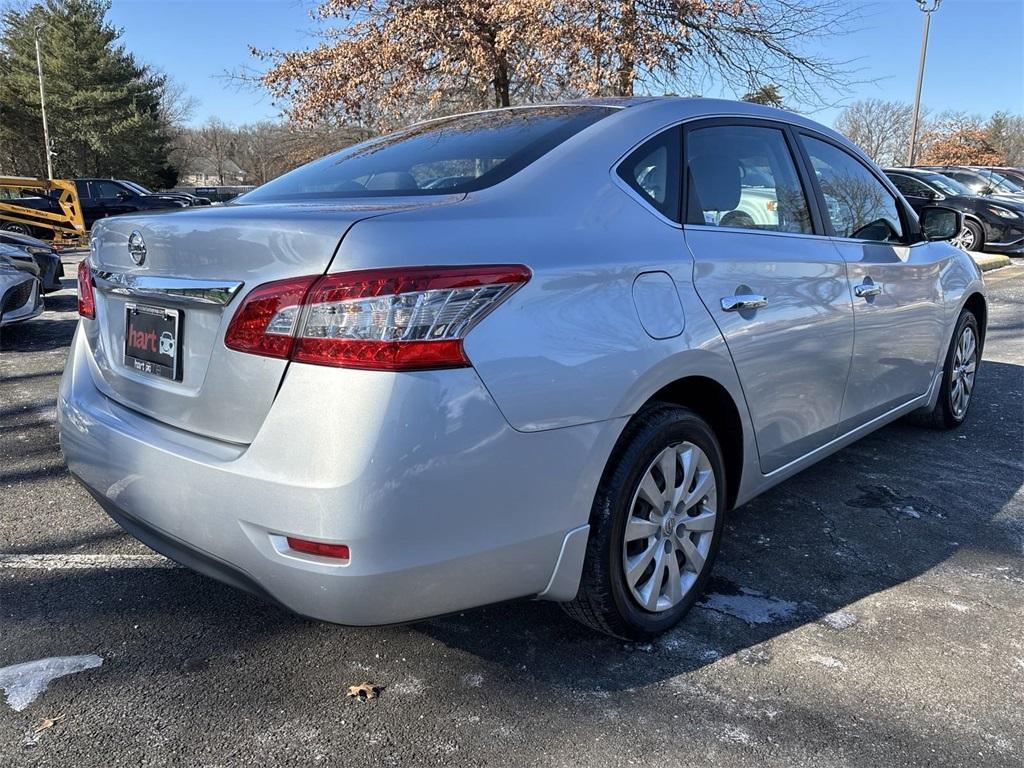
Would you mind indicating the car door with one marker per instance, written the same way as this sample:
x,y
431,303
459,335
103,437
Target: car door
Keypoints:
x,y
894,281
772,280
111,197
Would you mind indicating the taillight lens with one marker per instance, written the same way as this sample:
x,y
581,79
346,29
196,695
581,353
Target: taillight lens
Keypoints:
x,y
265,323
86,298
381,319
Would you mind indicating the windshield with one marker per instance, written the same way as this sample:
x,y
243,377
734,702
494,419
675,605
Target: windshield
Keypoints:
x,y
448,156
947,185
1002,183
136,187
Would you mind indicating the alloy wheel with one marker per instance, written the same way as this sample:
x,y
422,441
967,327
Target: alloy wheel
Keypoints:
x,y
965,240
961,381
670,527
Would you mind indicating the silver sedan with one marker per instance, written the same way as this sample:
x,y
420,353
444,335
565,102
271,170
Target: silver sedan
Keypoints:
x,y
521,353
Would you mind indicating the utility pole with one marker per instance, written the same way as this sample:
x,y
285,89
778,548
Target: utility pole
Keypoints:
x,y
928,7
42,104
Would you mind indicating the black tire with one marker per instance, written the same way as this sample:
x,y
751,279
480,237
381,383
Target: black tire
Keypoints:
x,y
21,229
943,415
604,601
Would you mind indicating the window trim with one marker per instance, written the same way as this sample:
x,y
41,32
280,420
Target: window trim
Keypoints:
x,y
786,129
911,229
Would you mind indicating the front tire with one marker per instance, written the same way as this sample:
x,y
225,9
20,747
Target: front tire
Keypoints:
x,y
971,237
656,525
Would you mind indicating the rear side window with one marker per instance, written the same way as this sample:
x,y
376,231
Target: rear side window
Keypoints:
x,y
448,156
653,170
858,204
743,176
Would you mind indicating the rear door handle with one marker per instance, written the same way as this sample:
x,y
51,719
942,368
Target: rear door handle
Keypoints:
x,y
864,290
743,301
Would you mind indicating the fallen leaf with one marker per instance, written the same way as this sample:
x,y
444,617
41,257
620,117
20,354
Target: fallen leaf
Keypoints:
x,y
47,723
364,691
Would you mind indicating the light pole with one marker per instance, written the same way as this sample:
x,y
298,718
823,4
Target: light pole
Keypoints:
x,y
928,7
42,104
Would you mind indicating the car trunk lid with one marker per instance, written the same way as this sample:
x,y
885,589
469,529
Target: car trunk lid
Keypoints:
x,y
197,265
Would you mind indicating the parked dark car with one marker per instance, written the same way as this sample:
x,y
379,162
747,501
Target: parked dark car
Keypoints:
x,y
99,198
38,252
990,224
1016,175
191,199
983,182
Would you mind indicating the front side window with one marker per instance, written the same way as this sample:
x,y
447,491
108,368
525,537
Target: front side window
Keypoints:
x,y
858,204
743,176
448,156
909,186
653,171
105,189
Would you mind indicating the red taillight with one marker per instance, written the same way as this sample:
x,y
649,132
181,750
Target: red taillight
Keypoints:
x,y
383,319
339,551
86,298
265,323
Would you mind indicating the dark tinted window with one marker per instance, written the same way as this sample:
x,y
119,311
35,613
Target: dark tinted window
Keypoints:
x,y
744,176
103,188
858,204
909,186
653,171
452,155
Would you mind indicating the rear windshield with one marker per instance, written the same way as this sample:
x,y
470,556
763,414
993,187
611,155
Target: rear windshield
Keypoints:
x,y
442,157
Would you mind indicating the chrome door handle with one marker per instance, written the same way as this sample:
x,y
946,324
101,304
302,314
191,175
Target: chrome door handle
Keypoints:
x,y
864,290
743,301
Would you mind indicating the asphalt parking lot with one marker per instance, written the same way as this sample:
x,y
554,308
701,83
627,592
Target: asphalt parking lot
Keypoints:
x,y
868,612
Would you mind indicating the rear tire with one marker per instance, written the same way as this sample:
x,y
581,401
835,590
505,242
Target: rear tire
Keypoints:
x,y
959,374
621,593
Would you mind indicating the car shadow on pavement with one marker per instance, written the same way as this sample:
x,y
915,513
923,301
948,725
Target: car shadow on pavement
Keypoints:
x,y
886,510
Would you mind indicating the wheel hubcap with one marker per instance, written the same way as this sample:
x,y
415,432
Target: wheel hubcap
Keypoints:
x,y
670,527
961,378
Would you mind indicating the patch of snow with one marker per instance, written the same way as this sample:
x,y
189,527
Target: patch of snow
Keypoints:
x,y
840,619
24,682
827,661
751,606
473,681
77,562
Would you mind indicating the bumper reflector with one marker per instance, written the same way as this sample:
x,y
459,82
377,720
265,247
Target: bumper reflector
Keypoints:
x,y
339,551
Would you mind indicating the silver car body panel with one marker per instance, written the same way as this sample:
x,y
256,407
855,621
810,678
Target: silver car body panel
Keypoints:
x,y
11,280
456,488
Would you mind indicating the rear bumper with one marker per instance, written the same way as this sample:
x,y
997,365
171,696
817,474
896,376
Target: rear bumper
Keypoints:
x,y
443,505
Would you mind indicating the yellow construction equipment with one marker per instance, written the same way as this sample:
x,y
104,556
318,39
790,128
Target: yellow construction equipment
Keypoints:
x,y
64,219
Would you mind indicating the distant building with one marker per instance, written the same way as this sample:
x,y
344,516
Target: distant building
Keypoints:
x,y
205,171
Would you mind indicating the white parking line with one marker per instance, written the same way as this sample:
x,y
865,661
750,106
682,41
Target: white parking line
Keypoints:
x,y
77,562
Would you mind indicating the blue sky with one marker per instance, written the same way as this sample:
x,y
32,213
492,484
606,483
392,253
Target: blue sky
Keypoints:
x,y
975,52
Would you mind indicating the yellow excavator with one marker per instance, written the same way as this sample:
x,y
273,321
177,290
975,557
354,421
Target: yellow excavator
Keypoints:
x,y
28,205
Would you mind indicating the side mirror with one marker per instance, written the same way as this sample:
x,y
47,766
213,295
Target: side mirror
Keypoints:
x,y
940,223
930,194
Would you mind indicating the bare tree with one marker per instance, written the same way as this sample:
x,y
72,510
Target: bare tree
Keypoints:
x,y
880,128
391,60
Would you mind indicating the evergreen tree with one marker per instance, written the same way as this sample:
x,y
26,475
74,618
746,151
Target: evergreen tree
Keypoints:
x,y
103,107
